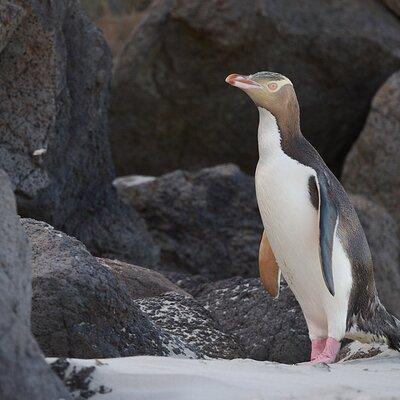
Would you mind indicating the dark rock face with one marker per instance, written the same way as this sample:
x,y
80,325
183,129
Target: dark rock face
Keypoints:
x,y
373,164
79,308
141,282
268,329
381,231
54,77
24,373
186,319
169,97
205,223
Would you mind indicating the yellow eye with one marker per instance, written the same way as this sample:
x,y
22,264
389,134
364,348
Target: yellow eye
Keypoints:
x,y
272,86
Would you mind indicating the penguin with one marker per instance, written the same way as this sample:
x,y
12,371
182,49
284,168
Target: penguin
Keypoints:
x,y
312,234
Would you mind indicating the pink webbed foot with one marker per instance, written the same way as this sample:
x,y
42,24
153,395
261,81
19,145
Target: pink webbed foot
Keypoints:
x,y
317,347
328,356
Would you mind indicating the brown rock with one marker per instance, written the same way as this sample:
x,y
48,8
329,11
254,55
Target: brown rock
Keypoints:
x,y
141,282
394,5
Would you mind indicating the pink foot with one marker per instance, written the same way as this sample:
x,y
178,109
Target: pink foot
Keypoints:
x,y
329,354
317,347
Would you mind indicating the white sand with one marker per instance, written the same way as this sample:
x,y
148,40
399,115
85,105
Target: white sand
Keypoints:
x,y
161,378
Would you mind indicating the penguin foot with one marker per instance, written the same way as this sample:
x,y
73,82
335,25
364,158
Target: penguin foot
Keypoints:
x,y
317,347
328,356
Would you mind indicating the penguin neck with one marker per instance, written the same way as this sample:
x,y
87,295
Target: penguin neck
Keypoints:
x,y
272,136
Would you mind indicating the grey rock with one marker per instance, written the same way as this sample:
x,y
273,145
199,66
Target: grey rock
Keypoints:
x,y
24,374
268,329
141,282
205,223
372,166
54,78
381,231
79,308
169,97
186,319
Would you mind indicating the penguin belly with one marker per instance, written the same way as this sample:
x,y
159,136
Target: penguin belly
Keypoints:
x,y
291,223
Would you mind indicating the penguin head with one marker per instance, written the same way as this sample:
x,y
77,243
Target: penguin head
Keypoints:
x,y
269,90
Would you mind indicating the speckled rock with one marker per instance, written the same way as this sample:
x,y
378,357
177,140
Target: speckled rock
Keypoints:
x,y
269,329
381,231
356,351
372,166
54,79
24,373
169,97
205,222
141,282
79,308
186,319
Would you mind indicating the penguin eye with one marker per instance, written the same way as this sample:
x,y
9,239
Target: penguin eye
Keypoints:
x,y
272,86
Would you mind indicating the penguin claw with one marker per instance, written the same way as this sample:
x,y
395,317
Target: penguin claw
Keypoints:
x,y
328,355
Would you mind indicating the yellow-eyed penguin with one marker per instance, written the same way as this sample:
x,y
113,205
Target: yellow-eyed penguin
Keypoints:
x,y
311,230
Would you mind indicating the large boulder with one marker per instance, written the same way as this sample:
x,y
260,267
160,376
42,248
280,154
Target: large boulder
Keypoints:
x,y
381,231
169,97
24,373
205,222
186,319
372,166
54,77
79,308
268,329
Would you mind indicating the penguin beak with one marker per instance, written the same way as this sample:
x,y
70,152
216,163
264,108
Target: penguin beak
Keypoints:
x,y
242,82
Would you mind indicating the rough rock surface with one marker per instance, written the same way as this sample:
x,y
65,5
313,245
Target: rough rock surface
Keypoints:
x,y
165,102
54,78
206,222
141,282
11,16
186,319
394,5
268,329
24,373
381,231
373,164
79,308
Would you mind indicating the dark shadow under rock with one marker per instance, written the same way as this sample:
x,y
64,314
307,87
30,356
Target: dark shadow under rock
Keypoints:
x,y
186,319
269,329
24,373
79,308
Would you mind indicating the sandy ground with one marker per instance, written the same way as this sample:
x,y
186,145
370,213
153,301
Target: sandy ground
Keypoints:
x,y
161,378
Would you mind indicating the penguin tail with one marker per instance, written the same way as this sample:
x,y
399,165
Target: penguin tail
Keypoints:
x,y
391,330
376,325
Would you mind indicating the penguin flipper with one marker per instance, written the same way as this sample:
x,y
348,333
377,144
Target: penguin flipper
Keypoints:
x,y
269,269
328,218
